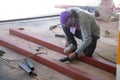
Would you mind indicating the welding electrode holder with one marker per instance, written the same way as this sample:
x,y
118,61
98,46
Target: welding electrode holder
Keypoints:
x,y
54,26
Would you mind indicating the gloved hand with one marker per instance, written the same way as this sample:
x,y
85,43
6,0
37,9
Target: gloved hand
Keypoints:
x,y
73,56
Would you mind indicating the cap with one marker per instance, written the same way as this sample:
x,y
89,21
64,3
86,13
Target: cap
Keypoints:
x,y
64,17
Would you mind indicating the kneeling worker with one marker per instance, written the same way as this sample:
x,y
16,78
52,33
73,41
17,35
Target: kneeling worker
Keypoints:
x,y
81,24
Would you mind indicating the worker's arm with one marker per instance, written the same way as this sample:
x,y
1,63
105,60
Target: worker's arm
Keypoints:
x,y
86,36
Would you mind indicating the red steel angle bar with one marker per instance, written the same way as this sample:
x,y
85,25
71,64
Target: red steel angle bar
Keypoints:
x,y
99,63
66,69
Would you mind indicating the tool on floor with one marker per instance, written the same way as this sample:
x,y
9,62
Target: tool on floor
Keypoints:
x,y
1,52
60,35
29,68
57,35
65,59
41,48
38,48
54,26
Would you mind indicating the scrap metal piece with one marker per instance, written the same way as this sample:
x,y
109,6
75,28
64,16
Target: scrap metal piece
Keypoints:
x,y
26,69
29,63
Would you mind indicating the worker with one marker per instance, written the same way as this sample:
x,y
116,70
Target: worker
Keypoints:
x,y
79,23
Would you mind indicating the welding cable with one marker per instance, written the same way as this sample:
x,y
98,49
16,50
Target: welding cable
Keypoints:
x,y
38,51
105,58
31,56
52,28
8,63
37,77
16,67
7,60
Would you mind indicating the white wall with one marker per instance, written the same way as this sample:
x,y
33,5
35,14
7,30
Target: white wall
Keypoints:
x,y
15,9
12,9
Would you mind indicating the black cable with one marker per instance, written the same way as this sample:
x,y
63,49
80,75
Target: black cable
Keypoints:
x,y
105,58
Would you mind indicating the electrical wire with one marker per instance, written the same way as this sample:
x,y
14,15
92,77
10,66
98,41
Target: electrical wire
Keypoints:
x,y
105,58
37,77
8,63
4,60
37,52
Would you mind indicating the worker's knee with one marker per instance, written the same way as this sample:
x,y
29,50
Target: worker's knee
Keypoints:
x,y
88,54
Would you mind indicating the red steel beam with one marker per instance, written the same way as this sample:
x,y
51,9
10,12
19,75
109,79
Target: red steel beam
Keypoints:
x,y
97,62
66,69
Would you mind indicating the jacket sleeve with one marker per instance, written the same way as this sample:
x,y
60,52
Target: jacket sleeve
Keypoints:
x,y
86,36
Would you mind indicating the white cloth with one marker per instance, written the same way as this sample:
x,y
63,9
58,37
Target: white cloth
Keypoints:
x,y
72,30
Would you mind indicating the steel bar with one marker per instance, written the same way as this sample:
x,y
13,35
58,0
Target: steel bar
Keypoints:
x,y
66,69
97,62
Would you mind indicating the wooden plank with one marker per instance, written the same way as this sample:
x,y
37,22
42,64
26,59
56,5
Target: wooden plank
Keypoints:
x,y
99,63
68,70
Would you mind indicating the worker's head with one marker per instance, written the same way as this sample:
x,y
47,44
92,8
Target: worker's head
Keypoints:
x,y
66,19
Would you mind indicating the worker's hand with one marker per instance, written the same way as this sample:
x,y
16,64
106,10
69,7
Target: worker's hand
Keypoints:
x,y
73,56
67,44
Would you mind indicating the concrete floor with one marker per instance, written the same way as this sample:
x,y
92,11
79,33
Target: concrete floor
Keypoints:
x,y
106,47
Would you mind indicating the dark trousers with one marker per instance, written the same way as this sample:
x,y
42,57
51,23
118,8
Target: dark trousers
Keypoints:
x,y
70,37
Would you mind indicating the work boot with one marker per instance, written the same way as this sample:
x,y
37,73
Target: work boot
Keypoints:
x,y
71,48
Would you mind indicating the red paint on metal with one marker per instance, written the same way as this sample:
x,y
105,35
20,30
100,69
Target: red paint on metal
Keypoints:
x,y
68,70
99,63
